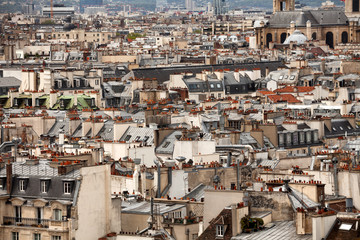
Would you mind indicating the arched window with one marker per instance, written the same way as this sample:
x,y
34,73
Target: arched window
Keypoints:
x,y
330,39
344,37
282,37
313,36
268,39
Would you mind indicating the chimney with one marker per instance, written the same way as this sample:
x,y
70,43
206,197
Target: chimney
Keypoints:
x,y
8,177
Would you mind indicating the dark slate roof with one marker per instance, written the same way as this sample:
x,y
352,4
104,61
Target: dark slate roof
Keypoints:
x,y
340,127
9,82
196,85
224,218
107,131
163,74
34,174
316,17
59,125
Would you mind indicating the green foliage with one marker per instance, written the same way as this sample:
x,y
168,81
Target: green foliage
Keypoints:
x,y
247,222
134,36
48,22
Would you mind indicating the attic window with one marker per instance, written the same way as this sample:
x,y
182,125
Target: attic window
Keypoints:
x,y
334,129
127,138
292,77
281,77
349,127
341,128
220,230
146,138
166,144
22,186
137,138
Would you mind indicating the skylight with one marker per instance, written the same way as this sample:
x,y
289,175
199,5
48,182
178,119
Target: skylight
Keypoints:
x,y
345,226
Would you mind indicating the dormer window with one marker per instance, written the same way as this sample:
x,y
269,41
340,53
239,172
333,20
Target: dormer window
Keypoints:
x,y
219,230
67,187
22,186
44,185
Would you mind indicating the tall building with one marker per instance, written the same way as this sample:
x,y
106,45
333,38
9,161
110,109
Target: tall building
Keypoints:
x,y
189,5
219,7
87,3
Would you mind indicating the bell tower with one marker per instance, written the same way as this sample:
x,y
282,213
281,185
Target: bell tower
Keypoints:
x,y
284,5
352,8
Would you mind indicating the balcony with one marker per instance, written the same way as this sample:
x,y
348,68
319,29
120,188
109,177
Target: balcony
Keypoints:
x,y
34,222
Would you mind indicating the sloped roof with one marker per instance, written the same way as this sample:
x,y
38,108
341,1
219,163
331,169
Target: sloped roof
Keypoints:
x,y
283,98
316,17
292,89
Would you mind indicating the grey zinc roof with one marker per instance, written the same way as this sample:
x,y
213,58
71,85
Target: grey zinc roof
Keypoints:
x,y
107,131
306,203
198,192
283,230
144,207
138,134
60,124
163,74
9,82
316,17
42,169
167,145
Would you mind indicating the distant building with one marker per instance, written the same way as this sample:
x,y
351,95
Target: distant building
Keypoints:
x,y
58,10
219,7
88,3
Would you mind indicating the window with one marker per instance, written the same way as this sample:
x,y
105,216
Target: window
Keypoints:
x,y
219,230
212,85
43,187
56,238
292,77
67,187
22,185
1,183
281,77
97,82
17,213
37,236
218,85
15,235
177,214
166,144
57,214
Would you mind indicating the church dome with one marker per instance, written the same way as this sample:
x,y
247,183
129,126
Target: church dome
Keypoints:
x,y
296,37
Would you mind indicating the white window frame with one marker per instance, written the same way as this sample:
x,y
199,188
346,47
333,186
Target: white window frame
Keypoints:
x,y
43,187
22,185
67,188
56,238
219,230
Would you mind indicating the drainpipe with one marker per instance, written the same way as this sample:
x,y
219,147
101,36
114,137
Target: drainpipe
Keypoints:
x,y
167,188
336,184
228,159
158,179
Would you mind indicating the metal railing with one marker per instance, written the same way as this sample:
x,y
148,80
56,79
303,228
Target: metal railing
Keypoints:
x,y
32,222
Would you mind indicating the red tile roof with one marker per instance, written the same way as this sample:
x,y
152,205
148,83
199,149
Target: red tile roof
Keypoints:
x,y
283,98
292,89
266,92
